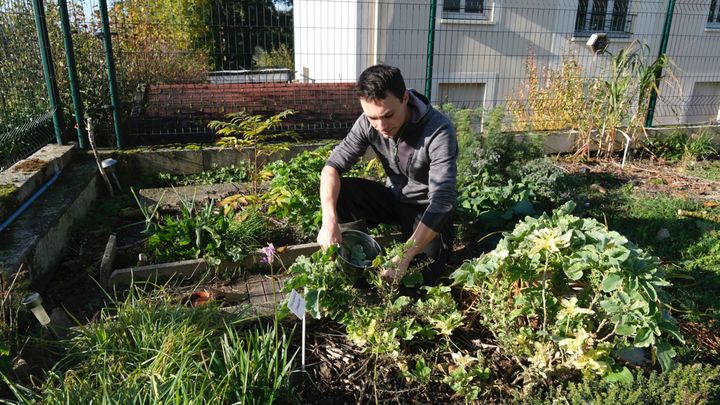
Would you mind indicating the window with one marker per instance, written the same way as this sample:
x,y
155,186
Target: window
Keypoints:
x,y
463,95
464,9
610,16
714,16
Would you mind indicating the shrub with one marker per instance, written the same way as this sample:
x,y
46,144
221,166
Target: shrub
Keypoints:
x,y
551,102
562,293
468,126
494,189
690,384
680,146
388,325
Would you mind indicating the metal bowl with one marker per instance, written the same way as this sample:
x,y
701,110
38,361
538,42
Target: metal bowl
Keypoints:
x,y
353,240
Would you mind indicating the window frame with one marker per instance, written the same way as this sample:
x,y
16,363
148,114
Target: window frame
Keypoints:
x,y
713,13
464,15
589,22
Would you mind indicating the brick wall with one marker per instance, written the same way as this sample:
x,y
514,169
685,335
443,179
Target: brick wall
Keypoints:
x,y
328,109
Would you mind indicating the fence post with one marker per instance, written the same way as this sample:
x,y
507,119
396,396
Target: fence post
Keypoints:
x,y
658,74
72,73
430,50
48,68
114,99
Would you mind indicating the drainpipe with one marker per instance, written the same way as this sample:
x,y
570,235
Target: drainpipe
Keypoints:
x,y
430,50
663,49
72,73
376,40
48,68
114,99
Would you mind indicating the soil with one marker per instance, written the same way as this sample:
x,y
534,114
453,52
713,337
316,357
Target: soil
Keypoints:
x,y
30,165
648,176
337,371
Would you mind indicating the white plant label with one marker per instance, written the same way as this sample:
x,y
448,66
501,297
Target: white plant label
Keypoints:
x,y
296,304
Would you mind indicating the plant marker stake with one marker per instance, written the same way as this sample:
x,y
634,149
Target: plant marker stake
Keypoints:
x,y
296,305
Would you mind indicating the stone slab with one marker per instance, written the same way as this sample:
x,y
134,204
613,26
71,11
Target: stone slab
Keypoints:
x,y
171,197
185,269
28,175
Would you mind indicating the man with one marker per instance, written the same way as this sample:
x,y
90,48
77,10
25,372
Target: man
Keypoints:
x,y
417,147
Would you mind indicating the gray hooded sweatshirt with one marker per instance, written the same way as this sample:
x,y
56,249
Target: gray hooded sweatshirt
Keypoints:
x,y
420,161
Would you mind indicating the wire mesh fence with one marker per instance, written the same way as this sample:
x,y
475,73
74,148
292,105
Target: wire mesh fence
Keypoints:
x,y
23,97
22,141
181,64
532,58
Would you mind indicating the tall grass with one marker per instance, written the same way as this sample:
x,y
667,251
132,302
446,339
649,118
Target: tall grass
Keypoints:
x,y
150,350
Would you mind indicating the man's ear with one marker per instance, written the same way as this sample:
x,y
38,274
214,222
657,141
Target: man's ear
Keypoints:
x,y
406,97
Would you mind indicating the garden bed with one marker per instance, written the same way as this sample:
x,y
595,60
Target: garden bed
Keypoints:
x,y
669,210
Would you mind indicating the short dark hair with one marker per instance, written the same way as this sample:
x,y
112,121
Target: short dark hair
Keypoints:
x,y
376,80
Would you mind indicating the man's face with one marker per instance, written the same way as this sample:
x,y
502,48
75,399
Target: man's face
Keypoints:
x,y
387,115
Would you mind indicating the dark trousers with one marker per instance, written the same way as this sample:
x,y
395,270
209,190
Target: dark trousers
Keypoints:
x,y
368,200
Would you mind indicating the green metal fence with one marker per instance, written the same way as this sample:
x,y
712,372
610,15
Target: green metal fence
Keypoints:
x,y
548,62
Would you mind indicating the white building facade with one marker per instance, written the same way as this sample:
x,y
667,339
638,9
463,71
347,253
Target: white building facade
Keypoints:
x,y
481,47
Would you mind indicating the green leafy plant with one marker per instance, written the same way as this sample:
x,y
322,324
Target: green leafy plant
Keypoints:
x,y
327,289
465,374
380,327
689,384
564,293
499,185
280,57
294,190
209,232
681,146
253,131
230,174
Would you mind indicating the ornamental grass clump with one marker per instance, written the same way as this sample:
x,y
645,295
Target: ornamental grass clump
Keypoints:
x,y
152,350
562,294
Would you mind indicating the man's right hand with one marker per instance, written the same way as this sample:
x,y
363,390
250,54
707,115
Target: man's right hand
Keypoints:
x,y
329,234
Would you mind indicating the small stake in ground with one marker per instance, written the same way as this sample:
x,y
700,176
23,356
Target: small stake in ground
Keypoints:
x,y
296,305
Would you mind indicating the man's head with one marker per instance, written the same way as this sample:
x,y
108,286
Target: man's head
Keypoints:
x,y
383,98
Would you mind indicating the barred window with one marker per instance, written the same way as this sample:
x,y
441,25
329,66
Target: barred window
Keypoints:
x,y
714,15
609,16
464,9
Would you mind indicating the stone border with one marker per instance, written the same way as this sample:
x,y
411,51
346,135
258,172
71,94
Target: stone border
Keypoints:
x,y
21,180
189,269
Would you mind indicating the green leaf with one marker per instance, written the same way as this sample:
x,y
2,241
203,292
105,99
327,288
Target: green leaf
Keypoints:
x,y
412,279
575,271
665,353
623,376
312,303
611,282
644,338
624,329
610,306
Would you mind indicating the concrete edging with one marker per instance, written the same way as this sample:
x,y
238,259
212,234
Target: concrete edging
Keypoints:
x,y
25,177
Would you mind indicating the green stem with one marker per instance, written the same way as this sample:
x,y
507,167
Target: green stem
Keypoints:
x,y
544,303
